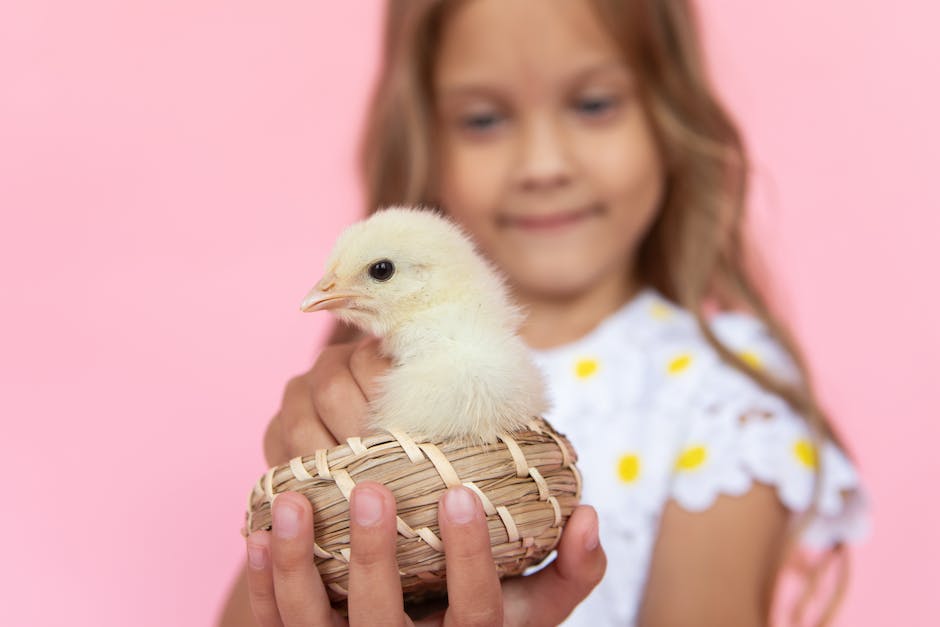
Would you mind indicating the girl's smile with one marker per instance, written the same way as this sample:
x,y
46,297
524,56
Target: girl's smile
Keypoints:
x,y
550,223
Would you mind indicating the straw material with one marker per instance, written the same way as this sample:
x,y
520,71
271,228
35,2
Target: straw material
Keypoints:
x,y
527,482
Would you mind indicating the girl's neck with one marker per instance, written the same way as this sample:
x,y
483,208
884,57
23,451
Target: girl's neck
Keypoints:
x,y
552,322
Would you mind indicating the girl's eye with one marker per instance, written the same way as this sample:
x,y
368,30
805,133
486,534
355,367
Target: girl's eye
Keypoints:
x,y
481,122
595,107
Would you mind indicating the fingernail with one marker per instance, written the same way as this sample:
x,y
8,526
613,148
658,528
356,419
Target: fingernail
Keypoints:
x,y
366,507
256,556
591,538
286,519
459,505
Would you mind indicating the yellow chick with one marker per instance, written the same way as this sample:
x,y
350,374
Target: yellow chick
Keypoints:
x,y
445,318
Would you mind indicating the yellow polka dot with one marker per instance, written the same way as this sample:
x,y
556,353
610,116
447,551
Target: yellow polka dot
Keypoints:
x,y
751,358
679,363
805,452
660,311
586,367
691,458
628,468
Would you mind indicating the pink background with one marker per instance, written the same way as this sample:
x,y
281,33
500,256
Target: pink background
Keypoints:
x,y
172,172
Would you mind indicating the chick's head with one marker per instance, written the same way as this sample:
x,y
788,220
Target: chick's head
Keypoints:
x,y
395,264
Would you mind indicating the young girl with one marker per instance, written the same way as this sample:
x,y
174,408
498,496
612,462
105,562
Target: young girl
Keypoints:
x,y
580,143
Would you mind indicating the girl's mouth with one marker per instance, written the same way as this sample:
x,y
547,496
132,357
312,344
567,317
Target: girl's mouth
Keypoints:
x,y
551,222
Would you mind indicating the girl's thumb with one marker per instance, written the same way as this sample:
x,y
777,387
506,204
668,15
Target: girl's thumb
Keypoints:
x,y
579,567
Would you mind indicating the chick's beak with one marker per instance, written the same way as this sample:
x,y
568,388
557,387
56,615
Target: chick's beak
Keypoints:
x,y
324,296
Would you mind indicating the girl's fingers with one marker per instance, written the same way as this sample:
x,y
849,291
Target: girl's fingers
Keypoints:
x,y
260,583
473,588
337,398
301,596
301,431
375,596
367,364
549,596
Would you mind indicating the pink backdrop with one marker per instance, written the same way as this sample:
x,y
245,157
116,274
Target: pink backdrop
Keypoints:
x,y
171,173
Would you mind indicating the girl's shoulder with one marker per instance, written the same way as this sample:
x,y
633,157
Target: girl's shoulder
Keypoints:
x,y
654,323
680,423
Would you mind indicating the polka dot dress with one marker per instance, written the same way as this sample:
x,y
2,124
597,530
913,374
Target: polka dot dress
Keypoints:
x,y
656,416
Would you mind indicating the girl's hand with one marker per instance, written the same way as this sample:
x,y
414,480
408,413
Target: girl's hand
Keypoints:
x,y
327,404
285,588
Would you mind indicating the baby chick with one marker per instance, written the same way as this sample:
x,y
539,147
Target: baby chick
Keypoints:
x,y
444,316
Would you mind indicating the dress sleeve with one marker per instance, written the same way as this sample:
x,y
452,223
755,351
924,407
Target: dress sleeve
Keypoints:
x,y
736,433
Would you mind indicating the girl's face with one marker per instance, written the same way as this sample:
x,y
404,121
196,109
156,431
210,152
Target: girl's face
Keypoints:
x,y
547,158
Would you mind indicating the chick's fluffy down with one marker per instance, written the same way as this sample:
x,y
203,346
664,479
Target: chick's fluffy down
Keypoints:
x,y
456,376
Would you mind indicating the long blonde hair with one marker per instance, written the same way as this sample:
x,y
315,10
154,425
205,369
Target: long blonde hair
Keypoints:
x,y
695,253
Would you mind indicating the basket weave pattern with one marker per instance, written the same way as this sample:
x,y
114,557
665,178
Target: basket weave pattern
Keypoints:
x,y
527,482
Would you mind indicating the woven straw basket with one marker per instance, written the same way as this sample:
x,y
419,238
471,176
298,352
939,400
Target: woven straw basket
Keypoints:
x,y
527,481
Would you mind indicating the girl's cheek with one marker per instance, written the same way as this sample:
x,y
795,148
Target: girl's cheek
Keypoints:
x,y
621,161
472,181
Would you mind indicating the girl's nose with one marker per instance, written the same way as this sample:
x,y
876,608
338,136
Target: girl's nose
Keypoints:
x,y
544,162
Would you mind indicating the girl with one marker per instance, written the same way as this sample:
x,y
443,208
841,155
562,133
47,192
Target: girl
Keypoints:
x,y
580,143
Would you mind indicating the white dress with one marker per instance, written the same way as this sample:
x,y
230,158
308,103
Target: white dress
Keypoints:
x,y
656,415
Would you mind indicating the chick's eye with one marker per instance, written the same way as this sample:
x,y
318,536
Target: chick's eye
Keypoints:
x,y
382,270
